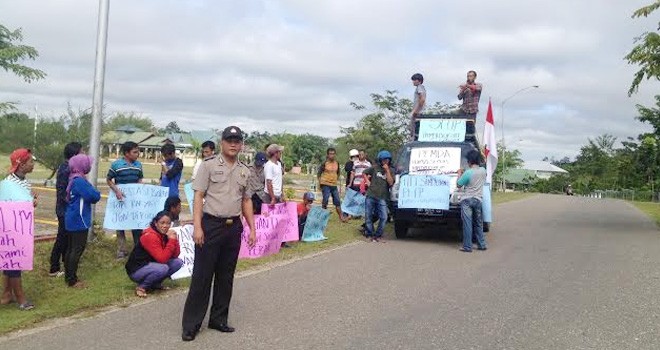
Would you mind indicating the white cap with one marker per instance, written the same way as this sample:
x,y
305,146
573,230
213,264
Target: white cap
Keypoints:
x,y
353,153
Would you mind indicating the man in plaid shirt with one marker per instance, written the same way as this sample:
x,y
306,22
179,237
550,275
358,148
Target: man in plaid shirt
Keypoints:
x,y
470,92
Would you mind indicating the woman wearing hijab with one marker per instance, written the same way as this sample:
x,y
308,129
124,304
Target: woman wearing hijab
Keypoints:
x,y
80,195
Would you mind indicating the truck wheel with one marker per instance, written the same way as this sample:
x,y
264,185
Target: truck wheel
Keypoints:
x,y
401,229
486,226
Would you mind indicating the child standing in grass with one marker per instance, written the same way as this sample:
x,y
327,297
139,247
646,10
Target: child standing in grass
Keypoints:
x,y
80,195
22,163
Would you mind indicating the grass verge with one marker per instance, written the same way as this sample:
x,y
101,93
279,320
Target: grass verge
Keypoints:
x,y
108,284
651,209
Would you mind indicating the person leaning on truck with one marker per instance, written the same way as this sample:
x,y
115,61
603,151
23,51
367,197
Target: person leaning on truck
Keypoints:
x,y
472,182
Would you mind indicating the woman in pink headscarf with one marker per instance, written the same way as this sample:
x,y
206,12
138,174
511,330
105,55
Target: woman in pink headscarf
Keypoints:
x,y
78,217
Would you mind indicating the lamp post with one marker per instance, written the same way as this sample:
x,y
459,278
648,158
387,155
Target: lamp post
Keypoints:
x,y
503,139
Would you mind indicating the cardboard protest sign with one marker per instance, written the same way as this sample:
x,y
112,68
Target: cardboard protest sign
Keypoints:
x,y
285,217
317,221
190,195
353,203
16,235
187,251
486,205
13,192
424,191
434,160
141,203
442,130
274,226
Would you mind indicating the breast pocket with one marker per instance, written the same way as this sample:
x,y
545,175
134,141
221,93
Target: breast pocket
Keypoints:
x,y
219,178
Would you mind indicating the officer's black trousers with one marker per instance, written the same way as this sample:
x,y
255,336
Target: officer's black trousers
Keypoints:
x,y
215,261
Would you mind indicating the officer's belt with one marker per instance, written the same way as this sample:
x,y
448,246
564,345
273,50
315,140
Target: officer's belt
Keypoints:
x,y
227,220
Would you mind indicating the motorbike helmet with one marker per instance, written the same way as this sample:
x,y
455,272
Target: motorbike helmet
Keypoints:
x,y
384,155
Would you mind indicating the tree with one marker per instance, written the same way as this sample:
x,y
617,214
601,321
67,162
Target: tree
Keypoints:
x,y
646,53
651,116
16,130
507,159
11,53
172,127
308,149
386,128
122,119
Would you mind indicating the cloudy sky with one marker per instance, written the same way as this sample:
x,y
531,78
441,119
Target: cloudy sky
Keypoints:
x,y
295,65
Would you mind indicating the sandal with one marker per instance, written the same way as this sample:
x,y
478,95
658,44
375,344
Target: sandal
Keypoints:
x,y
26,306
140,292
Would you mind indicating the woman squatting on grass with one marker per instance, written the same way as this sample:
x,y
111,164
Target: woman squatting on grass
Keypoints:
x,y
155,257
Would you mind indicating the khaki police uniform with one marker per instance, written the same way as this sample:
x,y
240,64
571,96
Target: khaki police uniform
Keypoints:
x,y
224,188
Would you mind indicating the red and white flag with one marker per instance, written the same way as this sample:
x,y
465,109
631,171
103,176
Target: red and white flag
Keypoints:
x,y
490,144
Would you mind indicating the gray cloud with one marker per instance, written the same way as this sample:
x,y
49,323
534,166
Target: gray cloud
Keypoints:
x,y
296,65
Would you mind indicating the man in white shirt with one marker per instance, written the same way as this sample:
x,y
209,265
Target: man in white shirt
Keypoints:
x,y
274,174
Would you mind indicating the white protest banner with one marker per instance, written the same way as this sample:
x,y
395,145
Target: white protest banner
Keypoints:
x,y
442,130
187,251
141,203
317,221
434,160
424,192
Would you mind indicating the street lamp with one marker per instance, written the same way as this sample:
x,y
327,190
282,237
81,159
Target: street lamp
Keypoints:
x,y
503,139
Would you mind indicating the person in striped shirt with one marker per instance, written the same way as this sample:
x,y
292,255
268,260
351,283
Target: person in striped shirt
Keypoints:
x,y
127,170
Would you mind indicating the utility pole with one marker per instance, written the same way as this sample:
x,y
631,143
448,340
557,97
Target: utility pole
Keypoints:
x,y
97,107
504,150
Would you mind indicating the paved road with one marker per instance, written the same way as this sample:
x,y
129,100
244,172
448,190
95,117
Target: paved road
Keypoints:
x,y
560,273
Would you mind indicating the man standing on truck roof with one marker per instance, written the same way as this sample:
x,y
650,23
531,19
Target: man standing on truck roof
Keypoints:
x,y
419,101
470,93
472,183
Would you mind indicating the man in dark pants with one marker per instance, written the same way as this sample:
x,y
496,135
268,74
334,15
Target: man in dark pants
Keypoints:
x,y
59,247
221,184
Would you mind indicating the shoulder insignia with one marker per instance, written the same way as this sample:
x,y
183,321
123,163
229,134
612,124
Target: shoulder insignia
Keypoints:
x,y
209,158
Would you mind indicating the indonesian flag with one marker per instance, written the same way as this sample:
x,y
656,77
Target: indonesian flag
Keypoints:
x,y
490,144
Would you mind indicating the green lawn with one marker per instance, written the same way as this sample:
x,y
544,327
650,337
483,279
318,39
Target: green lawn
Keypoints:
x,y
651,209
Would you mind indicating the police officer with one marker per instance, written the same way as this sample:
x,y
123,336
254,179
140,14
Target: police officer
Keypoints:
x,y
221,184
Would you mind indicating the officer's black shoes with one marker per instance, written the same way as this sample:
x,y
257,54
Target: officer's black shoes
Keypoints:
x,y
188,335
222,327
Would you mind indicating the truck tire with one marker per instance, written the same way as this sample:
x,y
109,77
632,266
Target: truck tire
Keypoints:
x,y
401,229
486,226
